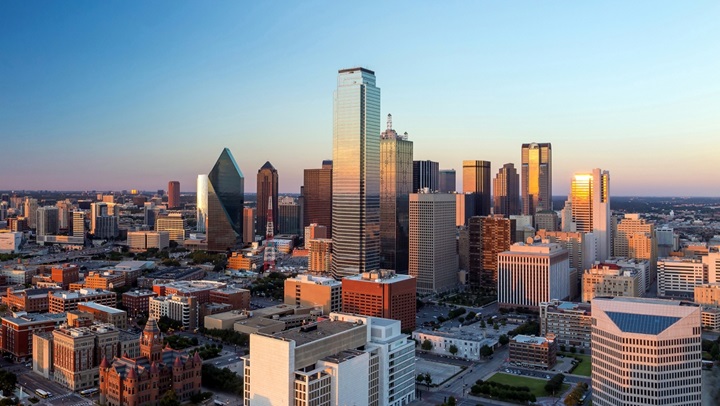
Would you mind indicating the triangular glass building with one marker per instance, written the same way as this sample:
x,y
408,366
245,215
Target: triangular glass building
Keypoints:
x,y
226,196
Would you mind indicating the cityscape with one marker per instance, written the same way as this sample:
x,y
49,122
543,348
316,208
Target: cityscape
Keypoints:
x,y
498,264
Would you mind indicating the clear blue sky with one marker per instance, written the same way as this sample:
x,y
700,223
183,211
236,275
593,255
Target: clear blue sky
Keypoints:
x,y
113,95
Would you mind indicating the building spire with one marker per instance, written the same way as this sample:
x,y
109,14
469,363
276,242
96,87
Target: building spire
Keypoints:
x,y
389,122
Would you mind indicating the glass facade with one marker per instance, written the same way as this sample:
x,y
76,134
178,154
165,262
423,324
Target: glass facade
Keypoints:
x,y
356,173
507,191
226,196
536,178
476,179
267,186
317,194
202,202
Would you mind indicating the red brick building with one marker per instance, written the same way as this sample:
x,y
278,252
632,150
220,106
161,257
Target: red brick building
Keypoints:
x,y
238,299
16,332
144,380
137,301
197,289
65,274
62,301
381,294
27,300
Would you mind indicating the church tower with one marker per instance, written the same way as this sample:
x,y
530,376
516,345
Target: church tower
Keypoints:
x,y
151,342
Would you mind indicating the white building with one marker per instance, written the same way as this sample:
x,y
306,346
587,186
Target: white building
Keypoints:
x,y
432,254
529,274
10,242
590,207
202,202
174,224
47,220
346,360
678,277
646,352
179,308
468,344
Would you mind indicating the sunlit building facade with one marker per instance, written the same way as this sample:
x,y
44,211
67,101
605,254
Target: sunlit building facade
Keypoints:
x,y
356,173
317,196
267,186
226,196
476,180
202,202
536,177
506,191
590,200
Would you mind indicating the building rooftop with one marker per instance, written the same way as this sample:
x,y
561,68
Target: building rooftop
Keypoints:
x,y
193,285
131,265
641,323
315,280
317,331
343,356
102,308
530,339
22,318
140,292
65,294
379,276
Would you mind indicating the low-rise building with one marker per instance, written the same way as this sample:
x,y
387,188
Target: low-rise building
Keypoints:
x,y
308,290
467,343
16,331
104,280
610,280
77,353
27,300
570,323
137,301
237,298
533,352
106,314
184,309
62,301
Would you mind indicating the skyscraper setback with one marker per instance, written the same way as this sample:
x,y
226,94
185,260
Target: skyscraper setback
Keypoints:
x,y
536,177
506,186
356,173
267,186
317,194
396,180
476,180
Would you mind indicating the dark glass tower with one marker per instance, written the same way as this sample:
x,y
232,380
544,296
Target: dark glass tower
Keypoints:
x,y
425,175
267,185
476,179
506,193
317,194
226,196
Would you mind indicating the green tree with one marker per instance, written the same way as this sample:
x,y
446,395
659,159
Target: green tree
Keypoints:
x,y
426,345
503,340
482,324
453,349
170,398
486,351
496,326
428,379
715,351
8,380
451,401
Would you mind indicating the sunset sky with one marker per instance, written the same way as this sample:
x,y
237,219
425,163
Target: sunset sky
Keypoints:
x,y
109,95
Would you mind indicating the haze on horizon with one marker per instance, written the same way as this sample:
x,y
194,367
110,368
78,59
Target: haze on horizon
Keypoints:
x,y
112,95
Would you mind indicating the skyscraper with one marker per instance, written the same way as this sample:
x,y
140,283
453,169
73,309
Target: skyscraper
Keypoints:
x,y
173,194
476,179
506,192
226,196
202,202
248,225
317,195
396,180
590,200
446,181
425,175
356,173
267,186
30,211
47,220
536,177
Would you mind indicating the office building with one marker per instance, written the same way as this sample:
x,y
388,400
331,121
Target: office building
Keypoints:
x,y
547,220
611,280
707,294
145,379
63,301
10,242
141,241
77,351
356,173
30,207
645,352
78,224
433,257
590,199
199,289
137,301
174,224
289,216
314,231
447,181
317,195
382,293
16,332
64,217
347,360
320,255
47,220
635,238
580,246
314,291
201,204
65,274
529,274
533,352
464,208
571,323
249,218
173,194
712,261
27,300
267,186
184,309
476,180
506,191
105,314
487,237
678,277
396,184
226,196
536,177
236,298
666,241
425,175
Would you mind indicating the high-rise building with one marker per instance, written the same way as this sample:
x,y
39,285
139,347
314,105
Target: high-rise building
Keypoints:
x,y
47,220
267,186
646,352
104,220
580,247
611,280
396,183
320,255
506,191
487,237
226,196
432,248
547,220
529,274
476,180
425,174
590,199
317,196
314,231
447,181
678,277
64,217
77,352
202,203
536,177
30,211
173,194
382,293
314,291
635,238
464,207
289,216
78,227
356,173
174,224
249,224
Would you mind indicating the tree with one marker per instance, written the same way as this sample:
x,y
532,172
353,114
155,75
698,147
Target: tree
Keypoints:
x,y
426,345
170,398
503,340
715,351
496,326
461,319
451,401
453,349
486,351
573,349
428,379
482,324
8,380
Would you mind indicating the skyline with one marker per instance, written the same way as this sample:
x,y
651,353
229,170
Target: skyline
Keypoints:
x,y
133,96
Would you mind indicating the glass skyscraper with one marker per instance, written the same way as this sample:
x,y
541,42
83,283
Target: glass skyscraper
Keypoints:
x,y
226,196
590,200
536,178
506,191
476,180
396,180
267,186
202,202
356,173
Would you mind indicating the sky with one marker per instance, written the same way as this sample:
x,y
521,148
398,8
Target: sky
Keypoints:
x,y
118,95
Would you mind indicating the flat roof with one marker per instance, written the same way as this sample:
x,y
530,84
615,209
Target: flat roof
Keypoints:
x,y
529,339
322,330
103,308
354,69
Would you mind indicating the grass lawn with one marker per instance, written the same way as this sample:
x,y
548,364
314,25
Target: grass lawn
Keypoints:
x,y
583,368
537,386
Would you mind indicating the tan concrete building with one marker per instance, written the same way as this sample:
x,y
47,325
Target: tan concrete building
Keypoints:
x,y
571,323
104,280
62,301
106,314
314,291
42,354
77,353
708,294
139,241
174,224
635,238
678,277
320,255
610,280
